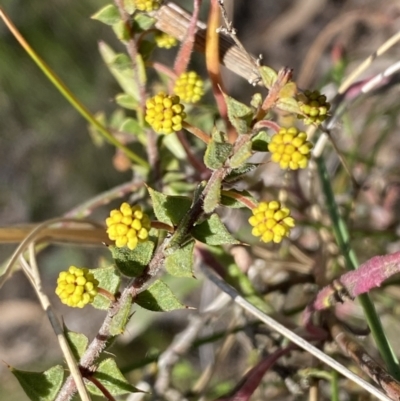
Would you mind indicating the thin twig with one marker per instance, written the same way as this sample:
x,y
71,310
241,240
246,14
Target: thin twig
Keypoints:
x,y
32,272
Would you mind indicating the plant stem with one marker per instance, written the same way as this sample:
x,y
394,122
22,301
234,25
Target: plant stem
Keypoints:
x,y
343,240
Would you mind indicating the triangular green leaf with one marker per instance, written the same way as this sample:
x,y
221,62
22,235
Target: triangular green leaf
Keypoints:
x,y
142,22
109,375
108,15
213,197
288,90
121,319
78,342
213,232
169,209
239,114
288,104
121,31
130,6
158,298
241,154
109,279
238,201
218,150
237,173
268,76
127,101
256,100
180,263
40,386
260,141
131,263
124,76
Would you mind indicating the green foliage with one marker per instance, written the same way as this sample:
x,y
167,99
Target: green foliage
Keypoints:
x,y
239,114
260,141
108,15
78,343
159,298
180,262
110,280
131,263
218,151
213,232
121,318
268,76
108,374
40,386
169,209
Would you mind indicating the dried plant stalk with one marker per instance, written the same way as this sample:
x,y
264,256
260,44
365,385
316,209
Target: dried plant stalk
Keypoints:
x,y
174,21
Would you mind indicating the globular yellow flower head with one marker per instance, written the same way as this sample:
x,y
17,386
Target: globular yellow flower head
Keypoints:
x,y
165,41
128,226
148,5
189,87
76,287
165,113
314,106
290,148
271,222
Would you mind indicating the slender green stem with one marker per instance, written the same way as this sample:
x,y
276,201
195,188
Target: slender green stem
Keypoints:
x,y
343,240
69,96
334,386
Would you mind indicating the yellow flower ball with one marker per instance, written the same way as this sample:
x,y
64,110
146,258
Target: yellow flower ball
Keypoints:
x,y
76,287
148,5
271,222
165,113
128,226
290,149
165,41
189,87
314,107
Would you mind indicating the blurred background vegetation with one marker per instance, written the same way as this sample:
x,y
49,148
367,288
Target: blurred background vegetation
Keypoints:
x,y
49,163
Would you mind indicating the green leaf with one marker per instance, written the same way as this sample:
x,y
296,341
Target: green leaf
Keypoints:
x,y
108,15
78,342
237,173
131,263
268,76
121,319
256,100
217,151
180,263
146,49
213,232
121,31
288,104
40,386
122,63
131,125
241,154
169,209
109,279
127,101
235,202
109,375
239,114
158,298
288,90
124,76
142,22
213,197
130,6
260,141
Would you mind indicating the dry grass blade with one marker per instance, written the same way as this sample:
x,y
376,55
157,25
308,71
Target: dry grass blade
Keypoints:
x,y
32,272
